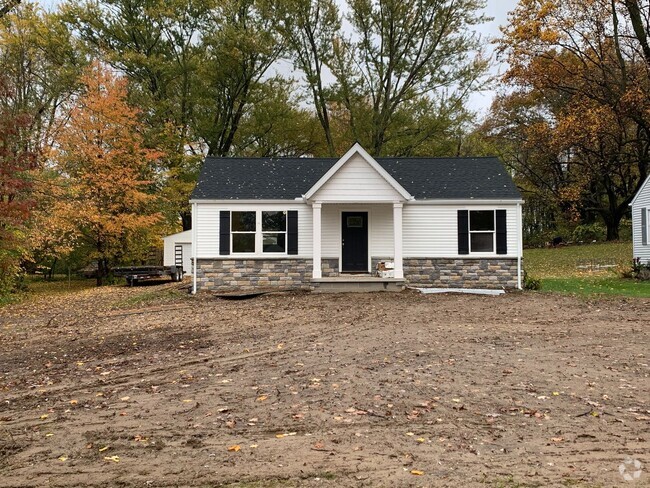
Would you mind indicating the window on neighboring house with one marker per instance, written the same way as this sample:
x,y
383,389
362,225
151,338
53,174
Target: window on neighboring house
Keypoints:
x,y
243,231
481,230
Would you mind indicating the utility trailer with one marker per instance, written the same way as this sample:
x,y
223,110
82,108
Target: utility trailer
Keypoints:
x,y
135,274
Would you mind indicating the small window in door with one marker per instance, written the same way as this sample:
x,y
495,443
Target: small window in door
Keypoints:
x,y
354,222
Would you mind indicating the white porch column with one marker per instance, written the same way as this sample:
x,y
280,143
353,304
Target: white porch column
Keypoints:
x,y
316,218
397,234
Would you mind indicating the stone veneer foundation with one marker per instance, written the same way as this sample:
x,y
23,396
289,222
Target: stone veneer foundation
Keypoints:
x,y
284,273
494,273
251,274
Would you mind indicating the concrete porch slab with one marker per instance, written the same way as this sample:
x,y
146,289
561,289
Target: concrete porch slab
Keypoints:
x,y
357,284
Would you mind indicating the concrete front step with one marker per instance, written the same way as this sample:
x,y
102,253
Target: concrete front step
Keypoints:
x,y
358,284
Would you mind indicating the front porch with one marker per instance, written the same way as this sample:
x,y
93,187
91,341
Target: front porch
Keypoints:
x,y
354,241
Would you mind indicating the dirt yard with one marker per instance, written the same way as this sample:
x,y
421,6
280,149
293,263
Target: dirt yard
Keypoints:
x,y
115,388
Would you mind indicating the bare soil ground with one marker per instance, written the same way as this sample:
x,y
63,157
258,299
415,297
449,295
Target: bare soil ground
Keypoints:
x,y
323,390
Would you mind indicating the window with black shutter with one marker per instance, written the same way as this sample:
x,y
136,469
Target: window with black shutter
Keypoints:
x,y
224,233
463,232
292,232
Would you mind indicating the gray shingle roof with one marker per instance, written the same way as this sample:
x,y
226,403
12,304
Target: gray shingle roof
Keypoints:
x,y
290,178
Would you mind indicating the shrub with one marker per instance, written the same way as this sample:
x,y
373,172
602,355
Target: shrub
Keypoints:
x,y
531,283
640,271
589,233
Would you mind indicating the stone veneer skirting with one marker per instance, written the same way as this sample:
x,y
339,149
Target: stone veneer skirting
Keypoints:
x,y
251,274
494,273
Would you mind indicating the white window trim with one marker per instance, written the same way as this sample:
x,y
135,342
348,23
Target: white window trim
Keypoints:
x,y
494,232
259,235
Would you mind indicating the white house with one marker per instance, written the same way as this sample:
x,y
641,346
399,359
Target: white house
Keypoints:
x,y
640,220
306,222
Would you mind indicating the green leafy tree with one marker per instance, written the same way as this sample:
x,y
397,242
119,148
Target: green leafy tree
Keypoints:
x,y
309,29
403,55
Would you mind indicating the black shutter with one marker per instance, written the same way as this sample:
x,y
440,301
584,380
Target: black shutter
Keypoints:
x,y
224,233
292,232
463,232
644,226
502,233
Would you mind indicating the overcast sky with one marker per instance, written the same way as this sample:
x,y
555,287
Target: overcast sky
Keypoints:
x,y
498,9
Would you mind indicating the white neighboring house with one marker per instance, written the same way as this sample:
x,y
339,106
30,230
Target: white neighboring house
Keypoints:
x,y
178,251
640,223
305,222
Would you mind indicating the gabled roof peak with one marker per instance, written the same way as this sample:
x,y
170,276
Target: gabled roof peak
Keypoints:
x,y
358,149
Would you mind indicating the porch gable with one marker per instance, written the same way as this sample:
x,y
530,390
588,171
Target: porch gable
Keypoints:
x,y
357,177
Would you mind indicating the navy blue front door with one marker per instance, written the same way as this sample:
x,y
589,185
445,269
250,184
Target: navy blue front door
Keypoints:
x,y
354,234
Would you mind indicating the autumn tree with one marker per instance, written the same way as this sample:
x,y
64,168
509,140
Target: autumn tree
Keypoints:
x,y
16,200
106,172
574,70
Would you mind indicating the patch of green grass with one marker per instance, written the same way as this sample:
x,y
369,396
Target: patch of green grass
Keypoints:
x,y
152,297
608,285
558,270
562,262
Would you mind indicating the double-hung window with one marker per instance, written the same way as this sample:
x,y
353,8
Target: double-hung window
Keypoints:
x,y
481,230
243,230
274,232
259,232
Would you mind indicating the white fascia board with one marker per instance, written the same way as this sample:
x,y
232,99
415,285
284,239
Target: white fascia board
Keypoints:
x,y
357,149
468,202
248,202
645,183
187,232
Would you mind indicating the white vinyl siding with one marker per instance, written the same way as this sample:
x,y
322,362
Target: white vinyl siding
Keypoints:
x,y
357,181
207,230
169,254
428,230
432,230
380,228
641,201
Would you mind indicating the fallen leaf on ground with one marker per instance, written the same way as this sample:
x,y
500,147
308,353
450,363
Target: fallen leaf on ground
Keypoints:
x,y
73,402
63,458
280,436
262,398
44,416
125,399
417,472
115,459
234,448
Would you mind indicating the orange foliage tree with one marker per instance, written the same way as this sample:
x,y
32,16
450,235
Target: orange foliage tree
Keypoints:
x,y
579,103
106,173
